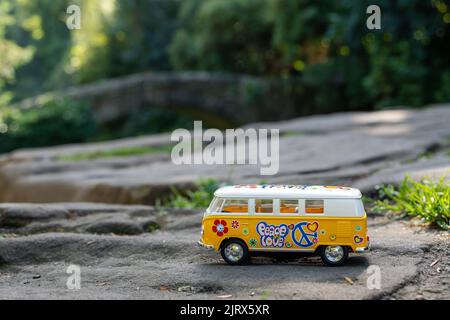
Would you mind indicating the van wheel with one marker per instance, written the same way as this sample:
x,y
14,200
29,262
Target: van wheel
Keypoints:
x,y
334,255
234,252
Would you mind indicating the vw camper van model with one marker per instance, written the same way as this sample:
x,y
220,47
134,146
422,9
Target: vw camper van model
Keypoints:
x,y
243,220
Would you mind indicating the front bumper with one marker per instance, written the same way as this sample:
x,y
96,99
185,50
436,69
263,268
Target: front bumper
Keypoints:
x,y
204,245
363,249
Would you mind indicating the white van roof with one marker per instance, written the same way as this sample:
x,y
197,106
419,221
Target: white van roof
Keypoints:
x,y
271,191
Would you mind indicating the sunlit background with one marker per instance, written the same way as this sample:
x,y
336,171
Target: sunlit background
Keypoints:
x,y
305,57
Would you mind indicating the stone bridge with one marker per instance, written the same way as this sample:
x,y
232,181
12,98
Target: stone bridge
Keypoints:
x,y
221,100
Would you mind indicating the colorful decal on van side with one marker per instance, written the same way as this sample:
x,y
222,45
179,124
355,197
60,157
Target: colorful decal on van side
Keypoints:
x,y
272,235
275,186
358,239
220,227
303,234
288,186
253,242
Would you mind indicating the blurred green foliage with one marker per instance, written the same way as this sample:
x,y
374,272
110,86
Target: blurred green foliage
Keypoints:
x,y
319,53
193,199
115,153
324,45
56,122
153,120
122,37
231,35
61,121
116,38
39,25
12,55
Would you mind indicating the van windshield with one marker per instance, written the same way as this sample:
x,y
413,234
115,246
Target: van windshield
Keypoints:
x,y
215,205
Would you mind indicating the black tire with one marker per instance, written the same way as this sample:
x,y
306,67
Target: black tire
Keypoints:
x,y
240,259
342,257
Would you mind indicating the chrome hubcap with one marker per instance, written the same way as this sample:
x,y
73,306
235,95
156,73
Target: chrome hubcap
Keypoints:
x,y
334,253
234,252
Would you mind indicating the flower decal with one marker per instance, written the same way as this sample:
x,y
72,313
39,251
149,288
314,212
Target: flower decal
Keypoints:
x,y
220,227
291,226
235,224
245,231
253,242
288,245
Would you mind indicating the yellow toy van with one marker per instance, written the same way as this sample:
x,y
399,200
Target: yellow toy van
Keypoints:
x,y
245,220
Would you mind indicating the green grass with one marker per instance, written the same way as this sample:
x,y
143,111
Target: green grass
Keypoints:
x,y
115,153
425,199
192,199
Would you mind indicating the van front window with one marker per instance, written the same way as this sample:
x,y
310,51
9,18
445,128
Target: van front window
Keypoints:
x,y
215,205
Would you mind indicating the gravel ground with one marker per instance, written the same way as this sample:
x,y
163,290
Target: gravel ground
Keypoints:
x,y
157,258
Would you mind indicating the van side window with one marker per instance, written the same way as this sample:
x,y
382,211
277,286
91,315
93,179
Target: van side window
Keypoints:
x,y
314,206
235,206
263,206
288,206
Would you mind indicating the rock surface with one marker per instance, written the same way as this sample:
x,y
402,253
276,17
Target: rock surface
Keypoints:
x,y
361,149
164,262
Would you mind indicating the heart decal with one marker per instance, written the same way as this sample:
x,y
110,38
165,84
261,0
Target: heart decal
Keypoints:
x,y
358,239
312,226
